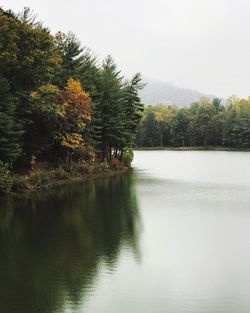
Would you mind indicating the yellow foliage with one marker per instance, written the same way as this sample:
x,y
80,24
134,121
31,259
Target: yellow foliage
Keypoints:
x,y
163,114
48,89
43,90
76,103
240,105
72,141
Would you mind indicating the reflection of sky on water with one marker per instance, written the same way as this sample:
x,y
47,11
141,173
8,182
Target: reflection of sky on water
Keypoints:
x,y
163,239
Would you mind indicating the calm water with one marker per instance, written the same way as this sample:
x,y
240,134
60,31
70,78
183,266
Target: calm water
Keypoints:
x,y
174,237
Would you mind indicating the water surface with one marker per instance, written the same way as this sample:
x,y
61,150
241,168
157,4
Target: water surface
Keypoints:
x,y
174,236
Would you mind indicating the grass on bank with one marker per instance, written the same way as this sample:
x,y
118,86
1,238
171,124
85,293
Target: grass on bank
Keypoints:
x,y
43,176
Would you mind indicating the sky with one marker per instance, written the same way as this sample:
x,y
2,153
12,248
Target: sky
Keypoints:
x,y
198,44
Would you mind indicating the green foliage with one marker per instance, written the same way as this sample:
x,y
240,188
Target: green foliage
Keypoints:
x,y
58,105
40,177
132,107
28,55
116,111
69,48
104,167
43,117
180,125
84,168
81,168
204,123
59,173
6,179
128,156
149,129
109,107
10,129
20,184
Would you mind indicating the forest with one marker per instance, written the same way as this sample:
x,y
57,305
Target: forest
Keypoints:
x,y
59,104
63,111
205,123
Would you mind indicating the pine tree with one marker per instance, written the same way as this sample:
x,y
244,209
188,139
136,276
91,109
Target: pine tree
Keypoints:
x,y
108,108
132,107
70,50
10,130
150,136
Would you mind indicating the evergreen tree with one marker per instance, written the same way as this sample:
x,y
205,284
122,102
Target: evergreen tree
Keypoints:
x,y
10,129
132,107
150,136
70,51
180,128
109,121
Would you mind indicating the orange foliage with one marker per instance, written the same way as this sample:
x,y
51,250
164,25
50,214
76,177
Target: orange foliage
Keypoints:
x,y
76,103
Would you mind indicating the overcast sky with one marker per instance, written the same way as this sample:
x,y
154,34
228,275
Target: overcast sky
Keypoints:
x,y
198,44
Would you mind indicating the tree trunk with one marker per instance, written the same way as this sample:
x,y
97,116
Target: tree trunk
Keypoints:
x,y
110,153
70,159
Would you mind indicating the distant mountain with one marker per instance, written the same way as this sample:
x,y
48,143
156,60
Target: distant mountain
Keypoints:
x,y
159,92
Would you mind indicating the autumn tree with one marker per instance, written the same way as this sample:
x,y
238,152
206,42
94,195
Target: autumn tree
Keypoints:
x,y
236,123
76,105
41,79
164,116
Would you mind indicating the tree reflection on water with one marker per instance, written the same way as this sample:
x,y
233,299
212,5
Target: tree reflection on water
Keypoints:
x,y
53,244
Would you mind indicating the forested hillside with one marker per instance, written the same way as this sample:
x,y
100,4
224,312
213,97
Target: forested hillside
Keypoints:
x,y
204,123
58,104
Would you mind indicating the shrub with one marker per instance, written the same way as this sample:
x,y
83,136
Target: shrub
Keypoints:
x,y
6,179
20,184
85,153
128,156
115,163
81,168
90,155
59,173
39,178
104,167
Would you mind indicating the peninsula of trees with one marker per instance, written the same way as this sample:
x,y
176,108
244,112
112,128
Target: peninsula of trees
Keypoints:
x,y
58,104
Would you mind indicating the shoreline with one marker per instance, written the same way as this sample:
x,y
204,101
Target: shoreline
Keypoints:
x,y
22,184
198,148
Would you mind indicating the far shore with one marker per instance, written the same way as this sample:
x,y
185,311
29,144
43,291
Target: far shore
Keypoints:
x,y
199,148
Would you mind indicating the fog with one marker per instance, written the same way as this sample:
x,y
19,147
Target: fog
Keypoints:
x,y
198,44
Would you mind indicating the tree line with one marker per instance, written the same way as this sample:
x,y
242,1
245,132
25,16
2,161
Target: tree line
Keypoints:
x,y
58,103
204,123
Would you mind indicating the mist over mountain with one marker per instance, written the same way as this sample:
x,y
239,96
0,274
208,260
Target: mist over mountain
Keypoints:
x,y
160,92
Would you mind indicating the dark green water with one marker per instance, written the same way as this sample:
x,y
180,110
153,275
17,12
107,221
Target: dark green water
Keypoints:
x,y
53,245
172,237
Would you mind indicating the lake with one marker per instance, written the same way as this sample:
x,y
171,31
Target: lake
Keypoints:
x,y
172,236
